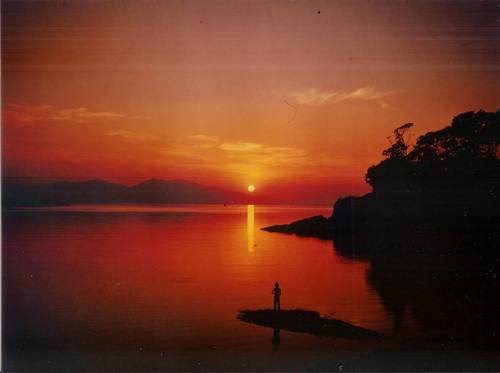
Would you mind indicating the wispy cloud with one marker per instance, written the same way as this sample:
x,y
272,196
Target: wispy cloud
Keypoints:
x,y
240,146
28,114
316,97
132,136
255,160
312,96
204,139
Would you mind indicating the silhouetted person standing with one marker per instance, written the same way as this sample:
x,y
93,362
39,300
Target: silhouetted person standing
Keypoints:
x,y
277,295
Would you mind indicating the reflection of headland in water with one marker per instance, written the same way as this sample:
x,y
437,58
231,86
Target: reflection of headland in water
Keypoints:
x,y
303,321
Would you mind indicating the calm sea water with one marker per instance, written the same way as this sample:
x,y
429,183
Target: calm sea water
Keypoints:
x,y
159,287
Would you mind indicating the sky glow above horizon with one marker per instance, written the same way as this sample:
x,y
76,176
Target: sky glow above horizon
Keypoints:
x,y
294,97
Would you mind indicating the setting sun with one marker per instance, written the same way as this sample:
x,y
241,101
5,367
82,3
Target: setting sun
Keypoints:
x,y
251,188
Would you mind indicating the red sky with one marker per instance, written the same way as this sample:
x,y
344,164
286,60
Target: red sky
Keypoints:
x,y
295,97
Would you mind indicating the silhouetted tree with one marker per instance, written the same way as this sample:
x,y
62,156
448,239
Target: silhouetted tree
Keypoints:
x,y
399,148
391,173
457,165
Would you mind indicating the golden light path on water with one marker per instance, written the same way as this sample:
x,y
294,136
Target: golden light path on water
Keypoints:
x,y
250,227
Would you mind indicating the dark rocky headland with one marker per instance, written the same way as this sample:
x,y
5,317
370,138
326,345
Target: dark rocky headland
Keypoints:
x,y
430,231
449,179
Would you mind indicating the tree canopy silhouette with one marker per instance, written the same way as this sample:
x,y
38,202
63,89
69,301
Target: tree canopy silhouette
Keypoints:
x,y
462,156
399,148
454,170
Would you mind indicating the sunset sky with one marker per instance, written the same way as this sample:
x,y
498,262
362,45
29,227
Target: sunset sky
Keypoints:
x,y
294,97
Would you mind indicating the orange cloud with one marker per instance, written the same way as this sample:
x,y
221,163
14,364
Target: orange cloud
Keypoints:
x,y
240,146
247,160
132,136
28,114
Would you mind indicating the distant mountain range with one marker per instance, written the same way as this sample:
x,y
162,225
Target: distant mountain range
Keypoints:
x,y
101,191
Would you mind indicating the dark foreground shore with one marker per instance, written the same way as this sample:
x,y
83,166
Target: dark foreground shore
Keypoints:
x,y
303,321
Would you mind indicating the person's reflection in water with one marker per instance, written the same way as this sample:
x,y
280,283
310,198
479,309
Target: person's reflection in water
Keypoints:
x,y
276,340
277,296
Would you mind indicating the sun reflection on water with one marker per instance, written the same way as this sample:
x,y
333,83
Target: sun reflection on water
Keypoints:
x,y
250,227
